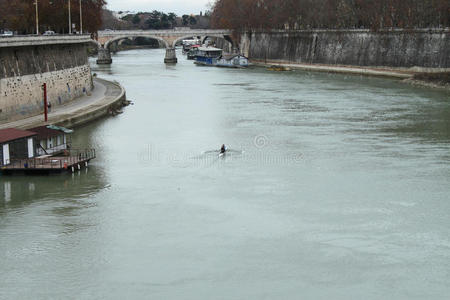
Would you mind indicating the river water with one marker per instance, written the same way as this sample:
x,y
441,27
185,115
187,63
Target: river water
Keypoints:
x,y
335,187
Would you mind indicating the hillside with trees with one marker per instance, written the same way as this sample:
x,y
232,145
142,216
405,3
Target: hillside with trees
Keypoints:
x,y
330,14
20,15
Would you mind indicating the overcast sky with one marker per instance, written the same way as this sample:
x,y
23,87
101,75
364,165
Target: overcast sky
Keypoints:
x,y
179,7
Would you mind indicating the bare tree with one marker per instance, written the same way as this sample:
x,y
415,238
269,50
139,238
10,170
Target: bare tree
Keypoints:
x,y
303,14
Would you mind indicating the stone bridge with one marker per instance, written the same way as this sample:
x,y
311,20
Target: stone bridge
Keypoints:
x,y
167,37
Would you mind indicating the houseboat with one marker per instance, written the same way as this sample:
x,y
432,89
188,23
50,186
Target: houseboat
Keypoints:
x,y
21,151
207,56
52,140
210,56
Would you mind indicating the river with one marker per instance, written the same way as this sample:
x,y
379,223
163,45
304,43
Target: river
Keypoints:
x,y
335,187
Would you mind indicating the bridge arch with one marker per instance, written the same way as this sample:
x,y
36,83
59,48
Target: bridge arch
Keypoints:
x,y
109,42
178,39
167,37
224,37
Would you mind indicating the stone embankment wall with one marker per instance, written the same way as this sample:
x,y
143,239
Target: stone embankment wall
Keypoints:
x,y
24,69
426,49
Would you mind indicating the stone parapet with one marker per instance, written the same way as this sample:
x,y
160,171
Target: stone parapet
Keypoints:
x,y
38,40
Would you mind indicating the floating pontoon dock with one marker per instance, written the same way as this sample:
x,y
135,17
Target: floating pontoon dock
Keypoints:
x,y
76,160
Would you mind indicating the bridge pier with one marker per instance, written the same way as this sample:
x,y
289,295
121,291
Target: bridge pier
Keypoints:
x,y
171,56
104,57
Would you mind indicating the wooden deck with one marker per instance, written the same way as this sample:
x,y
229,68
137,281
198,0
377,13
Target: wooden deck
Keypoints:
x,y
51,164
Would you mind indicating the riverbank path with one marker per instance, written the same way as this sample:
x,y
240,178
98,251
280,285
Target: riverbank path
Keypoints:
x,y
104,94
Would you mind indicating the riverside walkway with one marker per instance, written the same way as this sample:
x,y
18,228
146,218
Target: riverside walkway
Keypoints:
x,y
102,98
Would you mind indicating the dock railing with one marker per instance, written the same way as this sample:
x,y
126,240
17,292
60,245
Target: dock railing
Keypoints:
x,y
73,157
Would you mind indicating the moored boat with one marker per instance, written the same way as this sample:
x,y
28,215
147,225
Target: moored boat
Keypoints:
x,y
188,44
232,61
207,56
278,68
210,56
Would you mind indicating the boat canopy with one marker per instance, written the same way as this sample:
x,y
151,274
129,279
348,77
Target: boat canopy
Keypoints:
x,y
209,49
63,129
209,52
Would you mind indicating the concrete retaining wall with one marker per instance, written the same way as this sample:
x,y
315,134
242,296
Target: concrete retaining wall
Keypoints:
x,y
398,49
23,70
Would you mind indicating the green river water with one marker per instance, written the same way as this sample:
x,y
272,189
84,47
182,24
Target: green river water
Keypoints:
x,y
335,187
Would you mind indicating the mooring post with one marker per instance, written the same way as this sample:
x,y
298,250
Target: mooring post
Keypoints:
x,y
44,87
171,56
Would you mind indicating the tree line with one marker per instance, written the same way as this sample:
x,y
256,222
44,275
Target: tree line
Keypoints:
x,y
330,14
152,20
20,15
160,20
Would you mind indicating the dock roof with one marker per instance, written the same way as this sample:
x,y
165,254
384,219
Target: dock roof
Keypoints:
x,y
49,131
11,134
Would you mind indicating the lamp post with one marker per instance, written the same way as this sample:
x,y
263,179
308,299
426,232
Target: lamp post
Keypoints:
x,y
70,21
37,18
81,20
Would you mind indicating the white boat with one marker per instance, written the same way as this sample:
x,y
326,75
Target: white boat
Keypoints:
x,y
207,55
187,44
232,61
210,56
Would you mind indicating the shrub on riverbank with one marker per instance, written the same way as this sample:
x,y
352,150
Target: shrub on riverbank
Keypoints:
x,y
441,78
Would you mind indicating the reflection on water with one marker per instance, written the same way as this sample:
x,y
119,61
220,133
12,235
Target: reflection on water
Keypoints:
x,y
20,190
85,183
335,186
104,69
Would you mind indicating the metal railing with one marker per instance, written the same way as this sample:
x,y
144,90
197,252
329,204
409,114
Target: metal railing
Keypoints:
x,y
165,31
53,162
52,150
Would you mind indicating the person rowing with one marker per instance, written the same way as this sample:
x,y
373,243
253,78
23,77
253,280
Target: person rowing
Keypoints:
x,y
223,149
